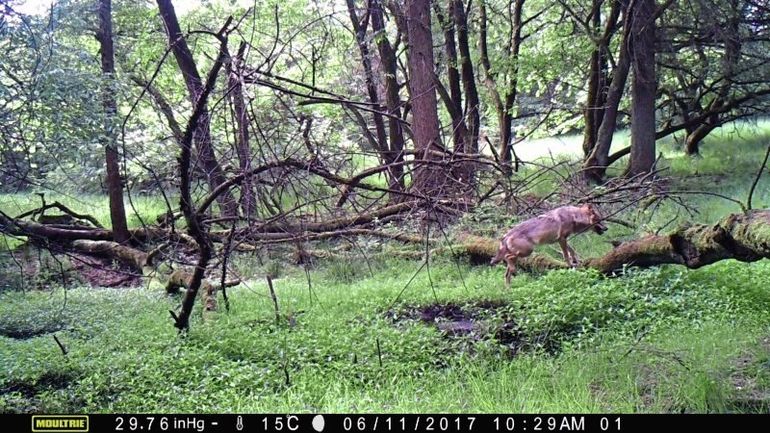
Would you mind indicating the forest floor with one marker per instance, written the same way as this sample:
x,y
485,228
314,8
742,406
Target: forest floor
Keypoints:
x,y
379,334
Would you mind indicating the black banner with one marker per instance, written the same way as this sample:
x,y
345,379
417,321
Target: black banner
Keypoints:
x,y
309,423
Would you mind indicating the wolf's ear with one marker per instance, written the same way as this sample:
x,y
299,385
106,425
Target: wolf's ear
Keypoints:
x,y
588,206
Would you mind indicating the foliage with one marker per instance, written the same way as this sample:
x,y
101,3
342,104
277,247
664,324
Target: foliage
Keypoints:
x,y
659,340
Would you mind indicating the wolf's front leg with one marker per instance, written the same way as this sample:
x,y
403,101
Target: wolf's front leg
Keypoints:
x,y
569,254
510,270
575,259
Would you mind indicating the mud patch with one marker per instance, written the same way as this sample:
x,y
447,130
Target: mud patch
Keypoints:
x,y
48,381
25,333
34,396
30,268
483,320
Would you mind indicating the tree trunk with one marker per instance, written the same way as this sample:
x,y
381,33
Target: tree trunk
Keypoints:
x,y
242,147
383,147
467,171
590,114
454,104
693,139
193,217
389,66
643,90
593,112
595,166
114,181
598,76
192,78
504,105
426,180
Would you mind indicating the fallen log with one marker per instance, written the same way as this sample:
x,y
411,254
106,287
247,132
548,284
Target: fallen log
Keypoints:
x,y
303,236
743,237
37,231
137,259
480,251
65,233
347,221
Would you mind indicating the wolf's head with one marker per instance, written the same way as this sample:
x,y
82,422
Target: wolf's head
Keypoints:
x,y
594,218
500,254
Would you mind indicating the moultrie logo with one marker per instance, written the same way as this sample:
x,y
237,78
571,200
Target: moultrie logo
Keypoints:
x,y
60,423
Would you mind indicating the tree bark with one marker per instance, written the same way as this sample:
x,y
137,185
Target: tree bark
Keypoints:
x,y
454,104
202,135
693,138
383,147
643,90
133,257
426,180
504,104
114,180
242,146
192,217
595,166
466,173
598,75
388,62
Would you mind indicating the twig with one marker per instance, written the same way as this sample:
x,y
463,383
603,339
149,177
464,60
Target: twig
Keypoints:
x,y
64,349
227,251
63,209
620,222
286,378
427,262
756,179
275,300
407,285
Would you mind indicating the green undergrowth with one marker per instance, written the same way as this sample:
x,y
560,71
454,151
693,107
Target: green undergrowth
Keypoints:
x,y
662,340
373,333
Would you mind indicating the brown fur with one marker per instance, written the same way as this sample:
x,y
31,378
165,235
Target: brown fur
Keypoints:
x,y
550,227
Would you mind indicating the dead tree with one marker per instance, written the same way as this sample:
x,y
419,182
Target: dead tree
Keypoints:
x,y
235,70
202,133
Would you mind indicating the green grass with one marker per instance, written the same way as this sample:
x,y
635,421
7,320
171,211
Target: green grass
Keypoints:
x,y
139,208
659,340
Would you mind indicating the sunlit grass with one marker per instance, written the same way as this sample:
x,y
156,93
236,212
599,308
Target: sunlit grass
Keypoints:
x,y
138,208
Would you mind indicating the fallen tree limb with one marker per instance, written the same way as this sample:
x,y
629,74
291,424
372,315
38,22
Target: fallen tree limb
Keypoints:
x,y
64,209
17,227
137,259
63,233
275,238
743,237
480,251
155,234
288,229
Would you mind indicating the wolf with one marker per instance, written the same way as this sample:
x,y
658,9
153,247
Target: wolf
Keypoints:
x,y
553,226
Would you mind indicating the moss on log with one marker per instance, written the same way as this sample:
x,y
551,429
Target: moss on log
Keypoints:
x,y
743,237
